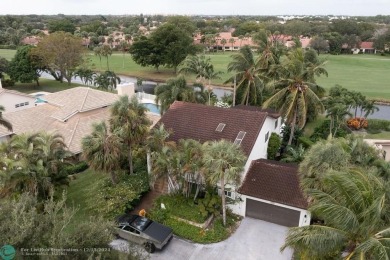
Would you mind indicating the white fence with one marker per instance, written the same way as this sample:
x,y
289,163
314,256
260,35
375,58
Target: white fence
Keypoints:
x,y
142,95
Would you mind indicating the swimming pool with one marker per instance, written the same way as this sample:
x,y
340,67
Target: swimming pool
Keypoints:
x,y
153,108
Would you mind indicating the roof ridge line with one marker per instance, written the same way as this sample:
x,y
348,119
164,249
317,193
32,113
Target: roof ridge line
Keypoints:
x,y
74,131
85,99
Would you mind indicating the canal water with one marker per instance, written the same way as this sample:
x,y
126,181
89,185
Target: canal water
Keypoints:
x,y
148,87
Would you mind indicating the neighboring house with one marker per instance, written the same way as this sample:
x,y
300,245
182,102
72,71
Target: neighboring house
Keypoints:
x,y
70,113
249,127
367,48
15,101
229,46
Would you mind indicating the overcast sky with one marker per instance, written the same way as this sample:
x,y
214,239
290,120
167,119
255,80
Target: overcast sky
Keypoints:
x,y
208,7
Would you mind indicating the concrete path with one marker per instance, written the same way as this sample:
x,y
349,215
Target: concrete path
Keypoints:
x,y
254,239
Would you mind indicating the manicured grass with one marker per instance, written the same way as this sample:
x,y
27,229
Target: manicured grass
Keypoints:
x,y
365,73
8,54
382,135
46,85
80,192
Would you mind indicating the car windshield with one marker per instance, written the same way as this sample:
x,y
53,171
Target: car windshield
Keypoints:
x,y
141,223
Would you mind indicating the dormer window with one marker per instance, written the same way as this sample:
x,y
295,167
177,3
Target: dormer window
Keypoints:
x,y
220,127
239,137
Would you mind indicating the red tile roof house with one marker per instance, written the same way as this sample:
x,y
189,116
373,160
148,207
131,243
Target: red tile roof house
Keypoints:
x,y
367,47
269,190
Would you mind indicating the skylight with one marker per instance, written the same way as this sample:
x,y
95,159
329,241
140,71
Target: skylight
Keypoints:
x,y
239,137
220,127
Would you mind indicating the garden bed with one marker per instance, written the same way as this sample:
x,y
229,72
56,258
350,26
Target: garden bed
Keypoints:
x,y
185,218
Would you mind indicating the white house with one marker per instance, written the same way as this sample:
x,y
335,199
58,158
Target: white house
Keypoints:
x,y
249,127
15,101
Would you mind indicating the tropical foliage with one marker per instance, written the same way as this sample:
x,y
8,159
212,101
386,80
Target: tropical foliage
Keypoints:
x,y
32,163
4,122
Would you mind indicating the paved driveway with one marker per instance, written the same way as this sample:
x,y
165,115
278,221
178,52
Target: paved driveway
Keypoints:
x,y
254,239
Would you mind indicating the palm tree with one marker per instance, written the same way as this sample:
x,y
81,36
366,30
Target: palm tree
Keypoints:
x,y
107,80
110,40
294,154
129,120
223,43
106,51
175,89
86,75
355,210
298,91
225,162
32,163
103,150
98,52
209,75
4,122
248,73
241,37
197,65
232,41
369,108
123,46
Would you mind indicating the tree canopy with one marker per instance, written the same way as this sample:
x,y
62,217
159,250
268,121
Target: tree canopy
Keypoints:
x,y
22,67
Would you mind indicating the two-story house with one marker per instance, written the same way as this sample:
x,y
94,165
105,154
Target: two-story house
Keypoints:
x,y
269,190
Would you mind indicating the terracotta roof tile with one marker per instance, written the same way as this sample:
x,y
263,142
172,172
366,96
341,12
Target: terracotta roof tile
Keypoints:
x,y
199,122
274,181
367,45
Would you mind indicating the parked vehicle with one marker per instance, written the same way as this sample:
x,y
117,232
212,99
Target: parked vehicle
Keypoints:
x,y
143,231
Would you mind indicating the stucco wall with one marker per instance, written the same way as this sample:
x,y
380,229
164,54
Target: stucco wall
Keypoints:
x,y
9,100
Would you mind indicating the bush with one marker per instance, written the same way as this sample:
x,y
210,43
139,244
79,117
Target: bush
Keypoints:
x,y
357,123
305,142
377,125
322,131
114,200
210,205
7,83
273,146
76,168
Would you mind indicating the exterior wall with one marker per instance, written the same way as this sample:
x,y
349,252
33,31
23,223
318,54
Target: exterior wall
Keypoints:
x,y
259,150
126,89
9,100
239,208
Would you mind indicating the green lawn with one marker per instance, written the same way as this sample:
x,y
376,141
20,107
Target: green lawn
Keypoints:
x,y
8,54
45,85
368,74
382,135
80,192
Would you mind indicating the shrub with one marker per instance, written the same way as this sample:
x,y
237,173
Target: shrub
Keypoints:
x,y
357,123
76,168
114,200
273,146
210,205
305,142
322,131
378,125
7,83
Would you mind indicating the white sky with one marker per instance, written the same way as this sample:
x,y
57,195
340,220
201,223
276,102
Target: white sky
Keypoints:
x,y
208,7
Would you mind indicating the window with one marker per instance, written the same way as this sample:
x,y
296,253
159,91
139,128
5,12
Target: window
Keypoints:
x,y
239,137
220,127
17,105
229,194
276,123
266,137
26,103
21,104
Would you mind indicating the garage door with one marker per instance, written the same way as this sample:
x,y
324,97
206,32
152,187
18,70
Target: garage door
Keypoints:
x,y
271,213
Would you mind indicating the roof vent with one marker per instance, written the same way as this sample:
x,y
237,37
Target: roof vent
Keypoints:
x,y
220,127
239,137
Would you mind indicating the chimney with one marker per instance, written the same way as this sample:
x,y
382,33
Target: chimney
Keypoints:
x,y
126,89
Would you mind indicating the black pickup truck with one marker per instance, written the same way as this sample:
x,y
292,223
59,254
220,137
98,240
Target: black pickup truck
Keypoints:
x,y
143,231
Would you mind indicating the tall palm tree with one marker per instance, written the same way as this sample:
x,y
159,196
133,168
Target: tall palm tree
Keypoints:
x,y
86,75
209,75
98,52
248,73
354,206
232,41
225,162
197,65
175,89
106,51
103,150
223,43
129,121
4,122
298,91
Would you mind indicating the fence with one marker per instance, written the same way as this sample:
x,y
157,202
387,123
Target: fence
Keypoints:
x,y
142,95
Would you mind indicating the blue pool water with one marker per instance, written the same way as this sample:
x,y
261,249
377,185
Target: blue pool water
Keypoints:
x,y
39,100
152,107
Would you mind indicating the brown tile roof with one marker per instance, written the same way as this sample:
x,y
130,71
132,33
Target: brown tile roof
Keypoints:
x,y
274,181
199,122
271,112
79,99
